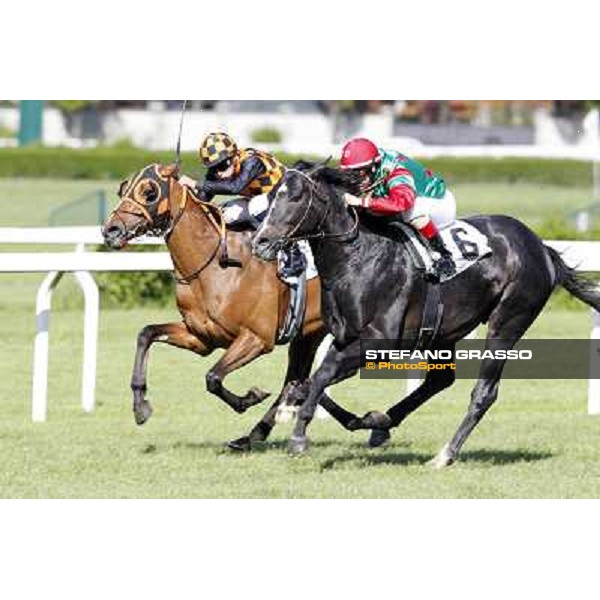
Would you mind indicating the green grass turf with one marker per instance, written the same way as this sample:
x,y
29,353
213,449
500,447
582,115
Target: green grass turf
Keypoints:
x,y
28,201
532,204
536,441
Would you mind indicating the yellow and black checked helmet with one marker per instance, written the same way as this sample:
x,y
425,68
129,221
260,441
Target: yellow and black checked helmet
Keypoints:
x,y
216,148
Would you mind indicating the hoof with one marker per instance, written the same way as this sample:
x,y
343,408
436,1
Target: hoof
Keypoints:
x,y
379,437
242,444
376,420
256,396
443,459
298,445
142,412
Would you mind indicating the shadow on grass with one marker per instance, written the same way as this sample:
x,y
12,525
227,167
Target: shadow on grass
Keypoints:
x,y
257,448
268,446
357,452
387,457
503,457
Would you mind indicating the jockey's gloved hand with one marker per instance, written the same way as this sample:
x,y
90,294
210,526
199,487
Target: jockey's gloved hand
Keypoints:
x,y
352,200
185,180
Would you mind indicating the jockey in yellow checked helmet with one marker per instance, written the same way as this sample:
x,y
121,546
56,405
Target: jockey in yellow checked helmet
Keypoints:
x,y
252,174
397,186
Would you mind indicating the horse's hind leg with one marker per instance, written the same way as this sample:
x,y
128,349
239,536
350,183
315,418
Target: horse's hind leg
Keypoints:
x,y
508,322
435,382
301,354
244,349
175,334
484,394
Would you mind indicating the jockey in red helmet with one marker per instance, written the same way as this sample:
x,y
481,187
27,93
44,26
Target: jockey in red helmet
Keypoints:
x,y
395,185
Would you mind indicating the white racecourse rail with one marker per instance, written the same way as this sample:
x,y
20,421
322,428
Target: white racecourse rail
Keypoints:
x,y
80,263
585,256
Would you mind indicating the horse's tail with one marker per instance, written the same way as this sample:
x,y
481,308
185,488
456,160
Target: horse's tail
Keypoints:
x,y
581,287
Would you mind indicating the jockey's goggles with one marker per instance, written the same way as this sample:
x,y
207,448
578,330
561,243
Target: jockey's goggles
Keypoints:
x,y
223,166
368,171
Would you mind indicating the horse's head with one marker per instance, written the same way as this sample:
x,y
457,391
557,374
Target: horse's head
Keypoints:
x,y
144,206
306,199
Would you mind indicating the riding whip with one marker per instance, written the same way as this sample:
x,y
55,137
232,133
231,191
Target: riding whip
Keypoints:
x,y
178,150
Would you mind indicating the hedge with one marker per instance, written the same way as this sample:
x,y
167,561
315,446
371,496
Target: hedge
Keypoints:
x,y
136,288
95,163
561,172
117,162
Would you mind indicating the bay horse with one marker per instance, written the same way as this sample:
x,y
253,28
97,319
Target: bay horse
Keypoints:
x,y
372,290
238,305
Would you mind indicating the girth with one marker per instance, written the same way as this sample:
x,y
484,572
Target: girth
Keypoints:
x,y
433,308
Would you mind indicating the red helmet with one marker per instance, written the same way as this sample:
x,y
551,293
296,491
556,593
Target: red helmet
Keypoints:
x,y
358,153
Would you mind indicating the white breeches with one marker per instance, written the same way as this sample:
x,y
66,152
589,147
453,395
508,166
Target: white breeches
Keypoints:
x,y
256,206
442,211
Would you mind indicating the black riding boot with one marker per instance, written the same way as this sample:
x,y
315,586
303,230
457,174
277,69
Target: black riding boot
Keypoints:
x,y
443,266
292,262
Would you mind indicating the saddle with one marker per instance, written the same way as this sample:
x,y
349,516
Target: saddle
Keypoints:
x,y
467,246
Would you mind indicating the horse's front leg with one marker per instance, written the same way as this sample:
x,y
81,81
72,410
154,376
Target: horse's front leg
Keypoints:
x,y
175,334
337,366
244,349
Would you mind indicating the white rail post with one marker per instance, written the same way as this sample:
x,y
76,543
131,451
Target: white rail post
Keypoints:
x,y
594,380
91,299
90,338
39,399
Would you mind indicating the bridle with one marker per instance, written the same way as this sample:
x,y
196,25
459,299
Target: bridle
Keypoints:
x,y
319,234
165,229
155,226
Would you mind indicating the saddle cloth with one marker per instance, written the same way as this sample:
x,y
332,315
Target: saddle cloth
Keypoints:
x,y
466,243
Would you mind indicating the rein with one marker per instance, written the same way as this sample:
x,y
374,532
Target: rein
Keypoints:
x,y
320,234
220,228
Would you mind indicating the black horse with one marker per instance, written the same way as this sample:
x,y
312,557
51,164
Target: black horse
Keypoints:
x,y
372,290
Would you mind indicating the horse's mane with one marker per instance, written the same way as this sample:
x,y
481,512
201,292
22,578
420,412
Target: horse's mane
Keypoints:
x,y
346,181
